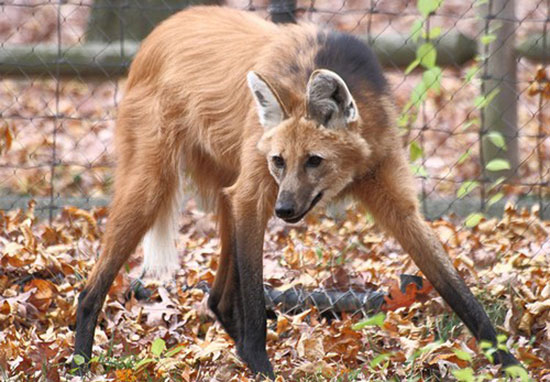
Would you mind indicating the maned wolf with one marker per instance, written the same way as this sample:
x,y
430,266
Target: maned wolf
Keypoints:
x,y
259,118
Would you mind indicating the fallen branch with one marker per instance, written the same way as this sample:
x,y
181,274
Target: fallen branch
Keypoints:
x,y
113,59
326,301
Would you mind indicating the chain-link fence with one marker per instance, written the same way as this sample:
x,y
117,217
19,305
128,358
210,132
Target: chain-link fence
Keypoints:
x,y
470,79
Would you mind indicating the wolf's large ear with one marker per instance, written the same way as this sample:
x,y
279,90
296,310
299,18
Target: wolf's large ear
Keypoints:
x,y
329,101
270,108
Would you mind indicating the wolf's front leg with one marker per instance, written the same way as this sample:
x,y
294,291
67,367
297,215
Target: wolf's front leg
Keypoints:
x,y
391,198
237,296
249,236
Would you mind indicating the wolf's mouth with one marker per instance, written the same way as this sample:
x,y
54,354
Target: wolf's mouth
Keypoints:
x,y
296,219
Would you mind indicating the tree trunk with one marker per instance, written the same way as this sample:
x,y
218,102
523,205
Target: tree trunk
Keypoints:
x,y
113,20
282,11
500,115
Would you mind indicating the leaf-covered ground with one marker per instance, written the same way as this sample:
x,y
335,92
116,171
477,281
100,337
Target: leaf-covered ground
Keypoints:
x,y
70,121
173,337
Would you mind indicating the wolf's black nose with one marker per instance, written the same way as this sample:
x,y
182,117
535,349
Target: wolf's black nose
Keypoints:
x,y
285,209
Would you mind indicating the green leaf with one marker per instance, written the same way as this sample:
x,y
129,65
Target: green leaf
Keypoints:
x,y
319,253
158,347
472,122
501,342
486,39
480,58
464,375
415,151
79,360
419,94
404,118
481,102
369,218
412,66
425,7
464,156
466,188
175,350
502,338
432,34
143,362
497,139
427,54
516,371
488,349
461,354
484,344
489,354
376,320
496,183
379,358
419,170
478,3
471,73
416,30
495,198
432,79
498,165
429,347
473,219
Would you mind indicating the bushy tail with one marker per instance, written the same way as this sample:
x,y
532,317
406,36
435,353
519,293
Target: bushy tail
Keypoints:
x,y
161,258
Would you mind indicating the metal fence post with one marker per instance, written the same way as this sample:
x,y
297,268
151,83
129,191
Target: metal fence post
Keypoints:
x,y
282,11
500,115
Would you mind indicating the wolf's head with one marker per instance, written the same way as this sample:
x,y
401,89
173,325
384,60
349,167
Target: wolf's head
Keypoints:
x,y
313,156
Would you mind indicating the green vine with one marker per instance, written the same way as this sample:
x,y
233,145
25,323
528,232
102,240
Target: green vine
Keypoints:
x,y
426,59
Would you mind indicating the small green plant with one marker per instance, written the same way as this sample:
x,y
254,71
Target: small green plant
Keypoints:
x,y
132,365
158,352
107,361
467,374
494,137
376,320
426,58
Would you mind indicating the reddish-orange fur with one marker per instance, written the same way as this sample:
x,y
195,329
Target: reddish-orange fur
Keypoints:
x,y
188,117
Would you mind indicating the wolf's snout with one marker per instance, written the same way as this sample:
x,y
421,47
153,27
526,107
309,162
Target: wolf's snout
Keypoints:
x,y
285,207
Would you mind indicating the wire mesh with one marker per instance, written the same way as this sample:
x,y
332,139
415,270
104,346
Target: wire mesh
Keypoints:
x,y
64,63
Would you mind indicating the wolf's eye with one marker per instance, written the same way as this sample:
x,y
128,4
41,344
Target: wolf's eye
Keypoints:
x,y
314,161
278,161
